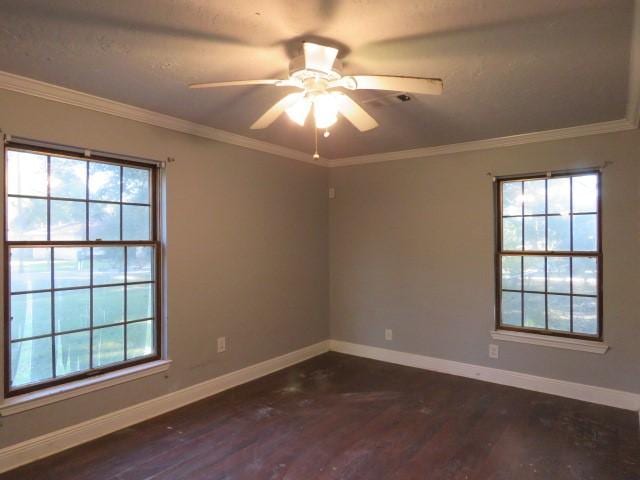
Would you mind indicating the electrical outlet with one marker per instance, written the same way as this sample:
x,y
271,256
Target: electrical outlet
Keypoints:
x,y
388,334
222,344
494,350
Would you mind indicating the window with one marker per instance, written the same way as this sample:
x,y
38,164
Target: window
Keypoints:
x,y
81,265
549,257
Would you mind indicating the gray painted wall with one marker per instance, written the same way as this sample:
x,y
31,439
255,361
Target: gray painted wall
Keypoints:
x,y
247,253
412,245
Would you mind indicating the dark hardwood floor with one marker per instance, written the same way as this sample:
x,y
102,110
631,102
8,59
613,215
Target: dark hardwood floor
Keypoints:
x,y
342,417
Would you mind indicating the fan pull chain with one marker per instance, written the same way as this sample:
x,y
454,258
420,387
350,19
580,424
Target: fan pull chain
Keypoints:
x,y
316,156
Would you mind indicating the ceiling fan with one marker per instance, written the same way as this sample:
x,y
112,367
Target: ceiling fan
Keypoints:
x,y
317,73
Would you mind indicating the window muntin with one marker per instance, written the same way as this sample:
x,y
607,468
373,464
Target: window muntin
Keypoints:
x,y
549,260
81,282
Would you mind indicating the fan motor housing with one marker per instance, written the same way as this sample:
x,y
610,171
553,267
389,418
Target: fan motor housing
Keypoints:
x,y
298,70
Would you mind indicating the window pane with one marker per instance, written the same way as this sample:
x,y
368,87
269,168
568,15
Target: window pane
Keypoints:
x,y
104,182
68,220
552,289
585,276
558,192
72,353
31,361
558,274
68,178
559,233
585,315
511,308
30,269
534,310
534,233
104,221
30,315
135,222
534,197
108,265
512,233
585,237
26,173
140,339
71,309
108,305
585,193
135,187
512,198
534,274
511,272
71,267
78,298
139,264
139,301
559,312
26,219
108,345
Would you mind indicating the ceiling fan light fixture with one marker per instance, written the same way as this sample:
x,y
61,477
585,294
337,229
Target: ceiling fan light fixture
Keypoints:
x,y
325,110
316,72
299,111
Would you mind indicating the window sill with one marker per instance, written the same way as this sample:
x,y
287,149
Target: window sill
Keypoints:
x,y
591,346
46,396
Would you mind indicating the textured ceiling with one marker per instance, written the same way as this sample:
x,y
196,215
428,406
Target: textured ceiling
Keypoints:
x,y
508,67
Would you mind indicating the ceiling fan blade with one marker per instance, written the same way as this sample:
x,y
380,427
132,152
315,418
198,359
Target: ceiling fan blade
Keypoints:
x,y
276,82
319,57
276,110
427,86
234,83
354,112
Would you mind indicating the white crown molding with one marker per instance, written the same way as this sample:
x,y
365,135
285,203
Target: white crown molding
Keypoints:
x,y
630,122
56,93
36,88
33,449
534,137
576,391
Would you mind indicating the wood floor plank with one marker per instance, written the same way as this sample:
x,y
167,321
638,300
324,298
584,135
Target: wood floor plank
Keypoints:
x,y
342,417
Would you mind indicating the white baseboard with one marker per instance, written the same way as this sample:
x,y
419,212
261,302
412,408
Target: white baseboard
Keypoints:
x,y
577,391
30,450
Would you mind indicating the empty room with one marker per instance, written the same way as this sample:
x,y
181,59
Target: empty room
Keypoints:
x,y
320,239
